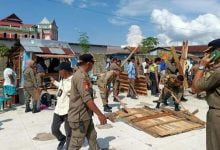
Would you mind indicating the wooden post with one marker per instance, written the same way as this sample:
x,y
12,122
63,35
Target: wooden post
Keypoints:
x,y
123,63
179,67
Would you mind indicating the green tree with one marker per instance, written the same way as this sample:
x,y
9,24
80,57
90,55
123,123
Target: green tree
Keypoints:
x,y
4,50
149,43
84,42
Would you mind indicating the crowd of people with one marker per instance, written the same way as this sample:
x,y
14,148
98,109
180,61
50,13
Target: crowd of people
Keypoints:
x,y
75,96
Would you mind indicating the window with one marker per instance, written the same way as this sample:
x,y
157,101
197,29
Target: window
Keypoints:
x,y
32,36
16,36
25,35
5,35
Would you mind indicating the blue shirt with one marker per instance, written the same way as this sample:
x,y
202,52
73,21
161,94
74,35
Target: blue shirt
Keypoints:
x,y
162,66
131,71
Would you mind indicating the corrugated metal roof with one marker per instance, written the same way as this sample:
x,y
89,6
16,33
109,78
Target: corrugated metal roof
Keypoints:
x,y
46,46
116,50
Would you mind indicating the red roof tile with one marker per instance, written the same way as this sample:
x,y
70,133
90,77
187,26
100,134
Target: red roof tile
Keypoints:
x,y
194,48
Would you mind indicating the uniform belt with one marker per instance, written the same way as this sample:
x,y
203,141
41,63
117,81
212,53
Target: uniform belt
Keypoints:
x,y
210,107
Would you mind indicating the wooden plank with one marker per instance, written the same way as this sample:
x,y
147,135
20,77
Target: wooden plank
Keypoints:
x,y
183,115
179,67
157,115
129,56
183,60
163,123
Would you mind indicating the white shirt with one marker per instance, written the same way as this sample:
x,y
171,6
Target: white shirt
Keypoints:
x,y
7,80
62,106
144,67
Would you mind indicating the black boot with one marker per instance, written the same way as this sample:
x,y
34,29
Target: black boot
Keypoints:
x,y
27,109
158,105
61,144
176,107
35,110
109,107
106,109
165,103
184,99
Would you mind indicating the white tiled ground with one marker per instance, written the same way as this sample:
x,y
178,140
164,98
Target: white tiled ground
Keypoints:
x,y
18,128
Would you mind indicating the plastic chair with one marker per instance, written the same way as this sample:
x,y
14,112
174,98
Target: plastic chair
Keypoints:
x,y
1,102
3,98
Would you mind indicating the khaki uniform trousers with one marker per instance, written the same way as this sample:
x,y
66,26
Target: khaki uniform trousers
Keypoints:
x,y
78,136
116,85
213,129
28,95
131,91
104,94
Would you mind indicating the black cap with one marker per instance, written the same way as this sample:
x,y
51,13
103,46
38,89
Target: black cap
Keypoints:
x,y
64,66
86,58
213,45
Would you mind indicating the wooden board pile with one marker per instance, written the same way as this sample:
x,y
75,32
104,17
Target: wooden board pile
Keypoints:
x,y
159,123
140,84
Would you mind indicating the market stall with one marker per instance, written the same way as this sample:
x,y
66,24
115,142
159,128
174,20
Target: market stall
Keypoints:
x,y
51,52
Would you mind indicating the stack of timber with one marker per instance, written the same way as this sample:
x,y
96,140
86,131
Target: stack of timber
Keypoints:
x,y
140,83
159,123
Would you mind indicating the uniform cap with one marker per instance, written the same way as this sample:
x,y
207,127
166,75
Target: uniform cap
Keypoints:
x,y
64,66
86,58
213,45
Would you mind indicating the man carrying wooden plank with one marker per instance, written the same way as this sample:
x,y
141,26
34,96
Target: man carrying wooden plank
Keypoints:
x,y
174,85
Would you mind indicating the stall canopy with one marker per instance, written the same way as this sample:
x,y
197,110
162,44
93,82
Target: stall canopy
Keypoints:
x,y
46,47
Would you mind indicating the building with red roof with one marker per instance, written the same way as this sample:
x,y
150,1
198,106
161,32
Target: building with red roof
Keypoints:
x,y
12,27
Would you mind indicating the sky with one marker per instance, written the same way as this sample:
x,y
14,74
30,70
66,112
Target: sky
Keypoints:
x,y
124,22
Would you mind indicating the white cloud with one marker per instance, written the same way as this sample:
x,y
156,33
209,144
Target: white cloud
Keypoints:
x,y
145,7
117,21
91,3
172,28
134,36
69,2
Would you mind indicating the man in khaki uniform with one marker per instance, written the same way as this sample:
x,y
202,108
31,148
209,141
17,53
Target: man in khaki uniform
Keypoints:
x,y
116,82
30,84
102,83
211,84
82,106
175,85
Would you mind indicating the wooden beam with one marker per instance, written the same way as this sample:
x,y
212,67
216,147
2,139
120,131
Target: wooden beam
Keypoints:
x,y
163,123
183,60
157,115
134,51
183,115
179,67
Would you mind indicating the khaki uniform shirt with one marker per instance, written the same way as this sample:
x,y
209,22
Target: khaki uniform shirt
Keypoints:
x,y
81,93
171,85
114,66
106,78
30,80
211,84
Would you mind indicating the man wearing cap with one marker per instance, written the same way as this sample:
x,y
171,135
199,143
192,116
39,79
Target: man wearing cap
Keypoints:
x,y
116,81
62,106
102,83
210,82
82,106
